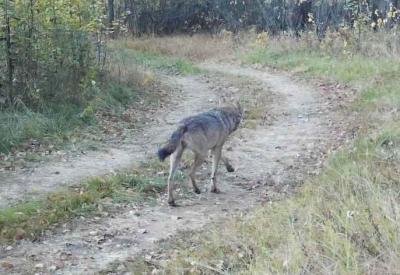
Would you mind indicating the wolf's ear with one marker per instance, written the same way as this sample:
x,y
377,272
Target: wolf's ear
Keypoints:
x,y
221,101
239,106
240,110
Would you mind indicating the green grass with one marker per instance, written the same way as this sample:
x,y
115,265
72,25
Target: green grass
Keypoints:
x,y
30,219
345,221
58,124
350,70
17,127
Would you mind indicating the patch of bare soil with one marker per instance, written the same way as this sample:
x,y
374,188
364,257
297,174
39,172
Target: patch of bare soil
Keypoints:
x,y
299,125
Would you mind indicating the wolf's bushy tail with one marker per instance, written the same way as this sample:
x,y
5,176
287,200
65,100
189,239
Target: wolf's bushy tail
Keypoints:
x,y
172,143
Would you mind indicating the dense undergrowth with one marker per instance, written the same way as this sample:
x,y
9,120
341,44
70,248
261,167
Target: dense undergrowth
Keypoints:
x,y
127,80
58,122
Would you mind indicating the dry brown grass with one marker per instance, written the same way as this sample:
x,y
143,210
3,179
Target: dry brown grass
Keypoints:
x,y
225,45
122,69
196,48
344,43
381,44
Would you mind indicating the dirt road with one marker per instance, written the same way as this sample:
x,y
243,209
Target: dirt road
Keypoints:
x,y
301,124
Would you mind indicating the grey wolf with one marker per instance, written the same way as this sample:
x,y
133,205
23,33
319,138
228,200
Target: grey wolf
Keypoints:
x,y
202,133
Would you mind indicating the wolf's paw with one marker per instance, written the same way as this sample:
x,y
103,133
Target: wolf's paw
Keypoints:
x,y
172,203
230,168
215,190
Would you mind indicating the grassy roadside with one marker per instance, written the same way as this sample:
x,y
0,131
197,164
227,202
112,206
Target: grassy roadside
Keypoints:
x,y
58,123
345,221
127,82
30,219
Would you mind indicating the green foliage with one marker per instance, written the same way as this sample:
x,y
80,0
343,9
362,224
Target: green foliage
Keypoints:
x,y
50,51
274,16
59,121
17,127
28,220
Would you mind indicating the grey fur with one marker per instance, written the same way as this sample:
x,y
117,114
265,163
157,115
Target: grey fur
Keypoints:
x,y
201,133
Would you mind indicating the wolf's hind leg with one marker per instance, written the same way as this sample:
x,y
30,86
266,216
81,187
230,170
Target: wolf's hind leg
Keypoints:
x,y
198,160
174,162
227,164
216,156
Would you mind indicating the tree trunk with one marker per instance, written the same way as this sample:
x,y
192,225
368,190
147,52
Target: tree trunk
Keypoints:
x,y
110,12
10,67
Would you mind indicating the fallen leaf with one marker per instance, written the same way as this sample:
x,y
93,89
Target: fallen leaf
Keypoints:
x,y
7,265
20,234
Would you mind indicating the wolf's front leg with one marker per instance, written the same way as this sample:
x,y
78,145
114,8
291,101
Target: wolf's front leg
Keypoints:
x,y
171,200
174,161
216,155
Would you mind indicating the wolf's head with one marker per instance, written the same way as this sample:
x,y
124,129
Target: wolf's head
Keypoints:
x,y
235,110
237,113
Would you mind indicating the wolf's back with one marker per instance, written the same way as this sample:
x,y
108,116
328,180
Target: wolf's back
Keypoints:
x,y
172,143
223,120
